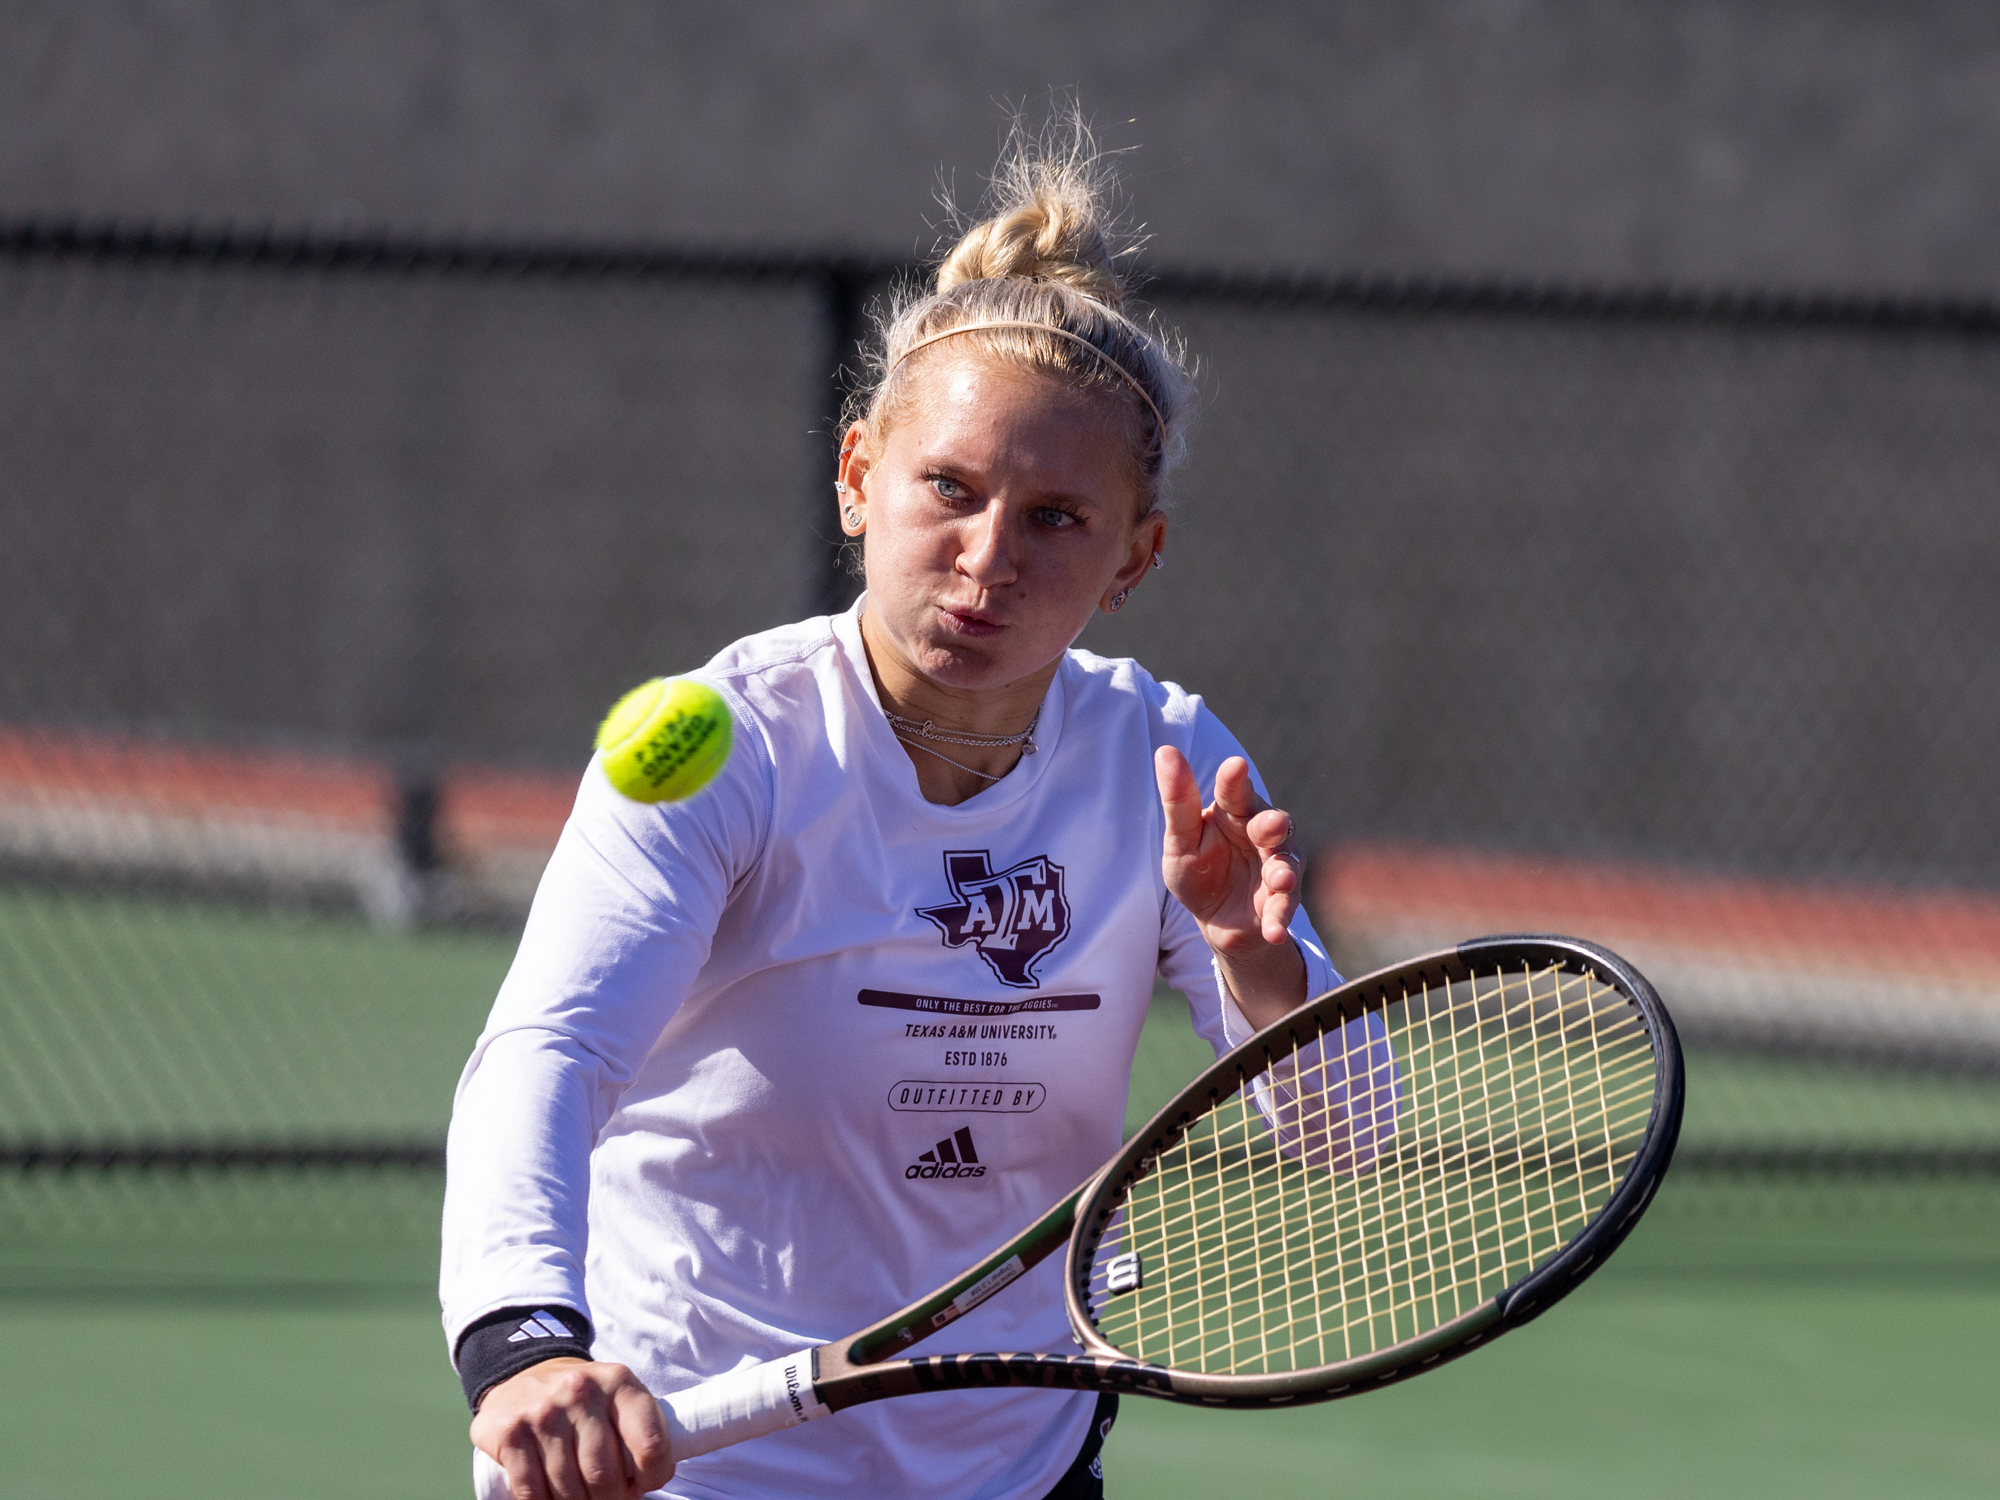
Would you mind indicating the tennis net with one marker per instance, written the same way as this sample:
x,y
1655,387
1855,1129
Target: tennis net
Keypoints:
x,y
204,1093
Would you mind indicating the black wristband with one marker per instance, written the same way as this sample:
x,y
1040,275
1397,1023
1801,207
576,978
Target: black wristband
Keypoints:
x,y
503,1344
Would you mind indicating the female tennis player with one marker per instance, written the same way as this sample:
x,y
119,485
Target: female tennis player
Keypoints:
x,y
775,1060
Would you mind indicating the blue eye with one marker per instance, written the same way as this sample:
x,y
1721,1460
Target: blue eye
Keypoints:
x,y
1048,515
947,489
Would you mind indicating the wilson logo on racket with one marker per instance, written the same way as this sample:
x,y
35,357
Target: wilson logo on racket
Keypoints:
x,y
951,1157
1124,1273
1012,917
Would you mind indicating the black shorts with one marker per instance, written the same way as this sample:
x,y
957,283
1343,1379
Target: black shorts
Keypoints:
x,y
1084,1479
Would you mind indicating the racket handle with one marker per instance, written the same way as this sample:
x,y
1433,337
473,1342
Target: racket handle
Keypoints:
x,y
489,1480
729,1409
741,1405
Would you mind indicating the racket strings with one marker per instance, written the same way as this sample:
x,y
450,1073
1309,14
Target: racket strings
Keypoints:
x,y
1384,1179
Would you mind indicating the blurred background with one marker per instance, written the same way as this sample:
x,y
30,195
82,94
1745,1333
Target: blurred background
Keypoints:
x,y
1590,527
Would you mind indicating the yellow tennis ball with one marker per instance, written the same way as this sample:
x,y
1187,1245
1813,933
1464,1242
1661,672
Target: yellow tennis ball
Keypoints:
x,y
666,739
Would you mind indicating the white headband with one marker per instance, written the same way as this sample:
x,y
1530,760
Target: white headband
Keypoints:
x,y
1061,333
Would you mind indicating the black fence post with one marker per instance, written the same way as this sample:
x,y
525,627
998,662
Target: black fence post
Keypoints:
x,y
404,892
843,291
416,820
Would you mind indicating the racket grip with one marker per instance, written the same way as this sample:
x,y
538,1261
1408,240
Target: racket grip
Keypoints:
x,y
729,1409
741,1405
489,1480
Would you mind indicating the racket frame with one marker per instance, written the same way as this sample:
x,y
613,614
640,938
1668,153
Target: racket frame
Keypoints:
x,y
862,1367
1514,1304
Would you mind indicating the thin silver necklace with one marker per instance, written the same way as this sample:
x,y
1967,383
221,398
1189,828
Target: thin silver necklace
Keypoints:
x,y
925,729
948,760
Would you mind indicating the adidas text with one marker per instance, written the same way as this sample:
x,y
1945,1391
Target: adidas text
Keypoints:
x,y
954,1156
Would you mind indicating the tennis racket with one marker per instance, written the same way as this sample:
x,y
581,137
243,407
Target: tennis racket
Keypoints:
x,y
1390,1176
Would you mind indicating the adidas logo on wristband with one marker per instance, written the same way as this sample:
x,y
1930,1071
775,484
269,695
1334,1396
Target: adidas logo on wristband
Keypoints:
x,y
541,1325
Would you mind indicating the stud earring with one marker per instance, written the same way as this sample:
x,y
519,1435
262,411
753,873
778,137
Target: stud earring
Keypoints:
x,y
1118,601
851,516
1157,561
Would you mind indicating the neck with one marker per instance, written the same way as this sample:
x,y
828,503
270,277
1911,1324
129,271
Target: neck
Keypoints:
x,y
946,773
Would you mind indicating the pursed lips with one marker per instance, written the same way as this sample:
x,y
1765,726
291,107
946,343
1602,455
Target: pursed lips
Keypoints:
x,y
967,621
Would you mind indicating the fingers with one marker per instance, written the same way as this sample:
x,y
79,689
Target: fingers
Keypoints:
x,y
1180,800
1281,897
600,1456
572,1404
522,1462
560,1466
1234,793
574,1430
1233,864
644,1432
515,1446
1239,810
1284,873
1268,830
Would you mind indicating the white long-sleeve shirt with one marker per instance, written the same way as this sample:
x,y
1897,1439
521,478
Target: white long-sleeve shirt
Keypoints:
x,y
774,1061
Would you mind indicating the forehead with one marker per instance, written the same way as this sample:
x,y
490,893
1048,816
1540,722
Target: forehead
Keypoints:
x,y
986,409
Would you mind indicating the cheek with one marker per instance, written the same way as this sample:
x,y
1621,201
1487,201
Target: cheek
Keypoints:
x,y
1084,569
898,550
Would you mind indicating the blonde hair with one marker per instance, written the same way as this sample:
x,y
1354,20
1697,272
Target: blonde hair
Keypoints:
x,y
1037,283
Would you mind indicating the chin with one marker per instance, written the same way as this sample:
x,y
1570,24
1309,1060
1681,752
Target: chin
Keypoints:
x,y
956,665
973,663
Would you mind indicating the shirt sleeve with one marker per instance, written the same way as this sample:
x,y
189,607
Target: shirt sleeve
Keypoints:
x,y
1186,961
1333,1104
619,929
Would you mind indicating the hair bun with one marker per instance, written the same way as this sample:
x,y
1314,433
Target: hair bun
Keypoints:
x,y
1036,284
1051,224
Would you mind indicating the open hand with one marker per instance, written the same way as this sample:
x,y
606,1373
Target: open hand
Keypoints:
x,y
1232,864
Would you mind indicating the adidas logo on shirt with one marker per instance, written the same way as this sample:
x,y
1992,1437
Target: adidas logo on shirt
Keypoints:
x,y
951,1157
542,1325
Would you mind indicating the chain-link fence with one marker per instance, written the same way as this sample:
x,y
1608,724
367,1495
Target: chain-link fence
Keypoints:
x,y
1664,620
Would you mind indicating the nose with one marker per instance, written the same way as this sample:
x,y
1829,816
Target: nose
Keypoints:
x,y
985,556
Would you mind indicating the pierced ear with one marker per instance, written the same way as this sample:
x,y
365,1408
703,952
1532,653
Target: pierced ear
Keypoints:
x,y
853,519
1153,535
847,488
853,452
1150,538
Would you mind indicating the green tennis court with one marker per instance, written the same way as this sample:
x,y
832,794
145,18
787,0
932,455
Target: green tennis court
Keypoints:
x,y
270,1333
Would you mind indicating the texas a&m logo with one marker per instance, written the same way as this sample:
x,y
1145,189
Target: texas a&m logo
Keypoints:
x,y
1011,918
